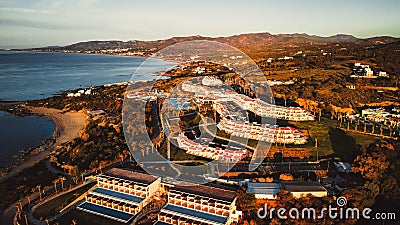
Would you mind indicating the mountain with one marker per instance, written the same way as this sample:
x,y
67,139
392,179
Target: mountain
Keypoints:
x,y
339,38
241,41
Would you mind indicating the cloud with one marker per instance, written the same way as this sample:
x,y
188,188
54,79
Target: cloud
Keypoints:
x,y
19,22
27,10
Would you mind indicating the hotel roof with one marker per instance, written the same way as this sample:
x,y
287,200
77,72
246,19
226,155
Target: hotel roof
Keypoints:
x,y
131,175
207,191
302,186
263,188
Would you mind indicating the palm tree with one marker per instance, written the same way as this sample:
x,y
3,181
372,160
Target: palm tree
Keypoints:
x,y
55,185
40,193
285,98
319,114
20,204
121,156
128,153
62,182
74,222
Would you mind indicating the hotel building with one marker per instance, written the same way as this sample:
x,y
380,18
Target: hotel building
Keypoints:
x,y
264,109
120,194
240,127
271,134
303,188
194,147
214,92
199,204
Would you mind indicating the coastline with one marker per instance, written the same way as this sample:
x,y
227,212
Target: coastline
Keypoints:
x,y
68,125
145,57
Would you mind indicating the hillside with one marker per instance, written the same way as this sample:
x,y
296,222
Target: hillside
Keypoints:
x,y
242,40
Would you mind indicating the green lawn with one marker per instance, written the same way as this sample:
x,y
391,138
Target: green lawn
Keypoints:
x,y
331,140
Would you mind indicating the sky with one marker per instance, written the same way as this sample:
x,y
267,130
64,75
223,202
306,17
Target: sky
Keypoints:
x,y
27,23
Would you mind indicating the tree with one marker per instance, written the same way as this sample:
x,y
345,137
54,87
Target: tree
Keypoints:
x,y
371,166
61,179
55,185
38,187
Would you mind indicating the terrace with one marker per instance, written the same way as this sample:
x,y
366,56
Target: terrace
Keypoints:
x,y
267,133
199,204
202,149
174,215
105,212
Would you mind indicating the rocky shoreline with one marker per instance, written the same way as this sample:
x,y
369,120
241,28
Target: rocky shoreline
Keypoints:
x,y
18,109
25,153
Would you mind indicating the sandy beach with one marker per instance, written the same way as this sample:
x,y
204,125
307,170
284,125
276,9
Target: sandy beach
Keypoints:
x,y
68,125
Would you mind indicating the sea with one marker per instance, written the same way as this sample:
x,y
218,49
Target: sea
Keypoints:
x,y
37,75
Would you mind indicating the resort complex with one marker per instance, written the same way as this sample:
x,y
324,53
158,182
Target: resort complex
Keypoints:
x,y
199,113
209,93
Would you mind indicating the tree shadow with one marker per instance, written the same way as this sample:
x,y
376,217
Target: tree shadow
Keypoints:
x,y
344,146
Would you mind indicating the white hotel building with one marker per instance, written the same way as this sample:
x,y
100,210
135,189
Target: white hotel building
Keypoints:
x,y
199,204
261,108
215,153
214,93
281,135
120,194
267,133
